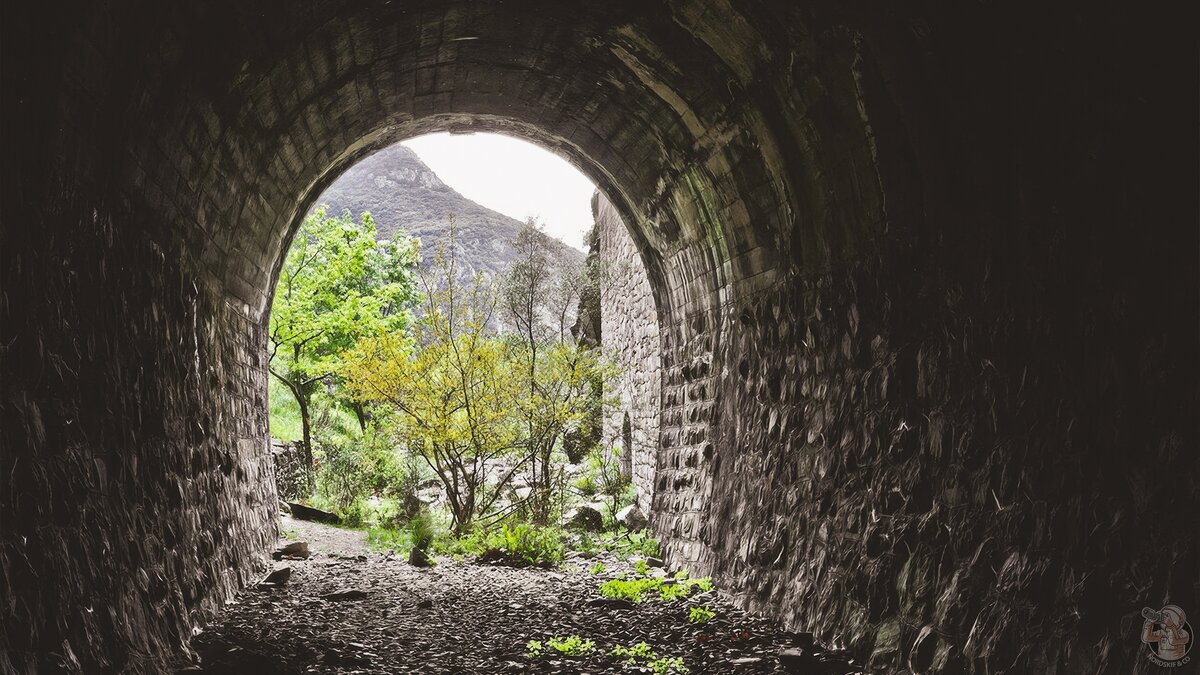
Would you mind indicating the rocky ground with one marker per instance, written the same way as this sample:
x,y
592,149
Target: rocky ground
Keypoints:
x,y
350,610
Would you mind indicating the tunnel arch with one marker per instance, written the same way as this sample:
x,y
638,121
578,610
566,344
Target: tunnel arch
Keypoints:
x,y
889,294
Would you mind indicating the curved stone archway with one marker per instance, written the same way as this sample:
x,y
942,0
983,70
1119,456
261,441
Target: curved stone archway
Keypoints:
x,y
899,330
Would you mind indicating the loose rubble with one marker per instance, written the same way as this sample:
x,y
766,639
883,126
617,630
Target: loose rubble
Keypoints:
x,y
346,609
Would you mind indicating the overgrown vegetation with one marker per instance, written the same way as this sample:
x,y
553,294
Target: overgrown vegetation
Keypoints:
x,y
337,285
453,414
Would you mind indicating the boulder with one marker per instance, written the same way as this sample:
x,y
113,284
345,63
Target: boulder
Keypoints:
x,y
279,577
309,513
346,594
297,550
632,518
419,558
584,518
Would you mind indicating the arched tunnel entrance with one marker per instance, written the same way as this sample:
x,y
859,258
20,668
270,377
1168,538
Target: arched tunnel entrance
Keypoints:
x,y
923,391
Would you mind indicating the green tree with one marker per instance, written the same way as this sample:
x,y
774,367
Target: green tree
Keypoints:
x,y
337,285
559,378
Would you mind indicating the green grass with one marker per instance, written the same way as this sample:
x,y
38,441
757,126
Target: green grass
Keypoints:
x,y
389,539
285,413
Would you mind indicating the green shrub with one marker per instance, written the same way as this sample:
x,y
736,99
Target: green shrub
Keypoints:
x,y
599,568
586,544
421,531
585,485
355,515
530,544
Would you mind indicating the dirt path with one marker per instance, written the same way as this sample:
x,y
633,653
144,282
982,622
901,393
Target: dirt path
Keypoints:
x,y
467,618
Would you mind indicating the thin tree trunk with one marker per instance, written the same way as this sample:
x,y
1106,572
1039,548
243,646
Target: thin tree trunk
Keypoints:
x,y
360,412
306,451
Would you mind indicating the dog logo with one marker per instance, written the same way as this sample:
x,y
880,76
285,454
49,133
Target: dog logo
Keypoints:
x,y
1168,636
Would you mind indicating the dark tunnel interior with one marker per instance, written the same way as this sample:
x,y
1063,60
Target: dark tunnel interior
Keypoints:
x,y
927,281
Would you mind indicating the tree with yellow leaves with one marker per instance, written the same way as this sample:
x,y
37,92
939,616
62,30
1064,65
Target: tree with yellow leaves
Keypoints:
x,y
452,385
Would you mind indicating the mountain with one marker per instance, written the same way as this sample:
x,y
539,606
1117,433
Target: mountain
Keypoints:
x,y
401,192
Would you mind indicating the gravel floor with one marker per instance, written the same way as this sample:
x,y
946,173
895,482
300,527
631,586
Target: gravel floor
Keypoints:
x,y
470,618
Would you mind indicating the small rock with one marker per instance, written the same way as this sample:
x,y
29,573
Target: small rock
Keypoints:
x,y
426,603
746,661
279,577
632,518
346,594
297,550
419,558
655,562
795,660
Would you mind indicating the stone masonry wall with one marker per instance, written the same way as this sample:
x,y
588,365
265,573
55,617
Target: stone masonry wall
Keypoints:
x,y
629,332
138,490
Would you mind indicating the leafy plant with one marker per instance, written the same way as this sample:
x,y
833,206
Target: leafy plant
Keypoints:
x,y
533,545
598,568
641,568
633,590
660,665
639,589
629,544
701,615
665,665
572,645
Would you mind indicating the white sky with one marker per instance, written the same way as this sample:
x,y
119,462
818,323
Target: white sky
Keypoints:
x,y
514,177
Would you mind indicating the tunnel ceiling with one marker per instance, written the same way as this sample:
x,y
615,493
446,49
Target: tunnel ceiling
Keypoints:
x,y
922,389
242,116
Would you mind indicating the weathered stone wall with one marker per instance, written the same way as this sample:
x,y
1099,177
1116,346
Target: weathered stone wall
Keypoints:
x,y
629,334
925,279
137,490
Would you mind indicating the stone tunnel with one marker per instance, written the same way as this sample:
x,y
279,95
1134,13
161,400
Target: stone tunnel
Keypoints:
x,y
925,277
